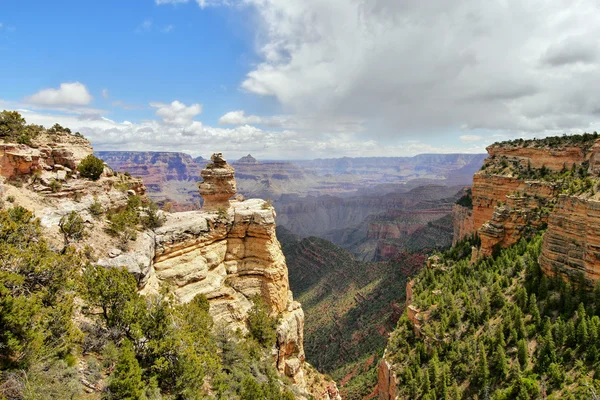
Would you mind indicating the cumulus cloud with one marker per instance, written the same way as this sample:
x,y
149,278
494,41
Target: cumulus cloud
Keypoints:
x,y
177,113
239,118
68,94
195,138
105,93
413,67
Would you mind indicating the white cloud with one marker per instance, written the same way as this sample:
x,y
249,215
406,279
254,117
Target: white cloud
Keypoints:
x,y
105,93
68,94
413,67
239,118
470,138
168,29
195,138
177,113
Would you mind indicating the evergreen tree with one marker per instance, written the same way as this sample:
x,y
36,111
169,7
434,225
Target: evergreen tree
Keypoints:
x,y
547,353
251,390
523,354
483,371
126,381
500,362
533,309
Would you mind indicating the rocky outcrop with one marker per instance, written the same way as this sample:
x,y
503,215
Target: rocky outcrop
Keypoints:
x,y
49,153
387,382
218,185
462,223
552,158
231,255
507,207
572,242
521,215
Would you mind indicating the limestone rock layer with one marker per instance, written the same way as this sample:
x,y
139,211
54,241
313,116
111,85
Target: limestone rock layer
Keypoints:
x,y
230,258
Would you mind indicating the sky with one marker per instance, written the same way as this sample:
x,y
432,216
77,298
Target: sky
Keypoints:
x,y
303,79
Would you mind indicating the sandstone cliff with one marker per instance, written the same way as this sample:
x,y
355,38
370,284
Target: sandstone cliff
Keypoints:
x,y
515,192
228,251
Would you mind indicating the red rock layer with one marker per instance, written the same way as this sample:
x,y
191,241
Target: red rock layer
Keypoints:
x,y
554,159
462,222
572,241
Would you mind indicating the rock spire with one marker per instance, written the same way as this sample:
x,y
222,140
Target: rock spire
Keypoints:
x,y
218,184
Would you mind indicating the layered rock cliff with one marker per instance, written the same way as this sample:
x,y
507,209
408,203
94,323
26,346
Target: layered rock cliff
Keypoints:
x,y
516,190
228,251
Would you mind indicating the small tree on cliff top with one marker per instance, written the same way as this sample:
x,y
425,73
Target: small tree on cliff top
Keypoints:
x,y
91,167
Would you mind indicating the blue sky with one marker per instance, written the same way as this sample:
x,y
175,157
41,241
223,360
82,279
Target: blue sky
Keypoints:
x,y
302,78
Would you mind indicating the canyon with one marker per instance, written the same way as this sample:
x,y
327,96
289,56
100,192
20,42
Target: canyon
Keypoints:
x,y
374,207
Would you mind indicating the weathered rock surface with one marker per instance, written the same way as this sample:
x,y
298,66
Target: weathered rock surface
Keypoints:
x,y
572,242
387,382
219,184
231,259
47,152
553,158
462,223
505,207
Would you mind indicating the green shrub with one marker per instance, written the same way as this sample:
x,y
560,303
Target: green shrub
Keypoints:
x,y
96,208
91,167
152,218
72,228
55,185
260,324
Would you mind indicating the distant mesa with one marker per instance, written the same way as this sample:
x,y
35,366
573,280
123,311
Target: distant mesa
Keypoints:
x,y
200,159
247,160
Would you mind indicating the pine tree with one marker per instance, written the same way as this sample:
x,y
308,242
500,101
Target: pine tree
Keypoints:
x,y
126,381
500,362
547,354
483,372
523,354
533,309
582,332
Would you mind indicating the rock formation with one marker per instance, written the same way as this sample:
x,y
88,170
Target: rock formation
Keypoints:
x,y
462,223
229,252
507,207
572,242
218,185
387,381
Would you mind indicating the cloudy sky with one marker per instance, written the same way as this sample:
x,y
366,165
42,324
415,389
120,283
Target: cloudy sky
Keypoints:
x,y
303,78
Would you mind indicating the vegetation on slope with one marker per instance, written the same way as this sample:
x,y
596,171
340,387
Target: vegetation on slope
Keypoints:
x,y
69,329
13,128
350,307
571,181
499,329
585,140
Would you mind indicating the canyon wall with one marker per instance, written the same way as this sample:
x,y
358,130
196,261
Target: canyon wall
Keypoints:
x,y
572,242
507,205
462,223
